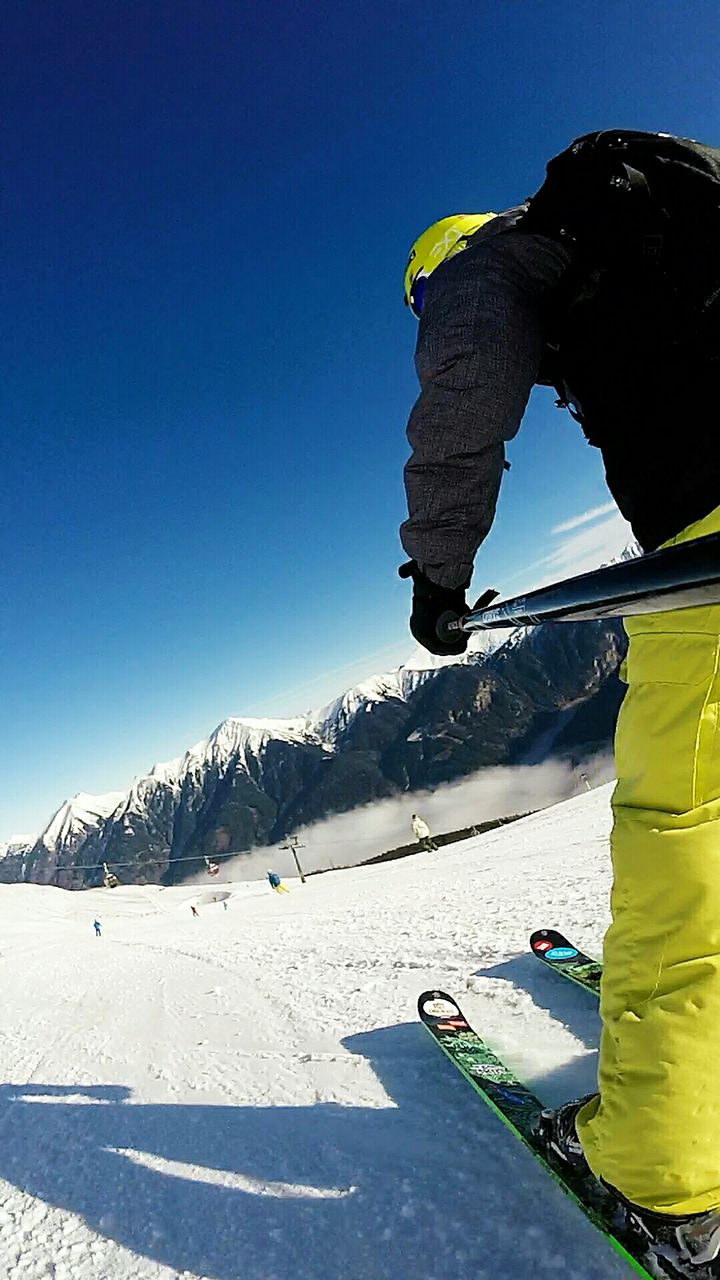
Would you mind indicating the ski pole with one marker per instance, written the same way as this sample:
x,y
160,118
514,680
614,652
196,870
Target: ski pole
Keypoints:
x,y
678,577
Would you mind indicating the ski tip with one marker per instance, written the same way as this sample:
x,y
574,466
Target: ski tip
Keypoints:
x,y
437,1004
542,940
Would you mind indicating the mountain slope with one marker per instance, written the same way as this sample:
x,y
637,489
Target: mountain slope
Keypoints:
x,y
248,1094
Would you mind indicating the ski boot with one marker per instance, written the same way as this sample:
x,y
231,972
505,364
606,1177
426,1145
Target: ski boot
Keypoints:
x,y
682,1248
557,1136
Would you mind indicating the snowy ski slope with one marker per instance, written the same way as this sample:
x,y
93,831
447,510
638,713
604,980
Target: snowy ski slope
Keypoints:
x,y
247,1095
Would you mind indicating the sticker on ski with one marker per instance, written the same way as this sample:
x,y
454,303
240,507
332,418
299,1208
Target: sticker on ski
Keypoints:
x,y
518,1107
555,952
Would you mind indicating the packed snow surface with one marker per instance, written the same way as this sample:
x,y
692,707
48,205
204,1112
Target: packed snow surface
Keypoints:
x,y
247,1094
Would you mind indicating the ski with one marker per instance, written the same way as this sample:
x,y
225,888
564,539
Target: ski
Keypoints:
x,y
554,950
518,1108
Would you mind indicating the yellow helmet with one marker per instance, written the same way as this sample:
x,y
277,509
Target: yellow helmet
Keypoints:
x,y
441,241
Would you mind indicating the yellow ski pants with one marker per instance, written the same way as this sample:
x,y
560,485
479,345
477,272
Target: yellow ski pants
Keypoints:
x,y
654,1130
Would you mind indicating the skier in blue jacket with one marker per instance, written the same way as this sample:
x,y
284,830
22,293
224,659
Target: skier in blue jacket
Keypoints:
x,y
276,882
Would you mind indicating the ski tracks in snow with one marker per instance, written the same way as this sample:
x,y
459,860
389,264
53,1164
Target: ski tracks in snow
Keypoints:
x,y
247,1095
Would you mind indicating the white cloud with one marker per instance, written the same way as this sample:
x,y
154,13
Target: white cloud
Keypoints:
x,y
362,833
597,543
585,518
591,547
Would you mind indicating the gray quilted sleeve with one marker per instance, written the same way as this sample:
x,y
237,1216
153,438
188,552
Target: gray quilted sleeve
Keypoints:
x,y
478,354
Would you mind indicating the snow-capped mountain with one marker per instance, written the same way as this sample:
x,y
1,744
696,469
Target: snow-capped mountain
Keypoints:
x,y
74,819
253,781
333,720
16,846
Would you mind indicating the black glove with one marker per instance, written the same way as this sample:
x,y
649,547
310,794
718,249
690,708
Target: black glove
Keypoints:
x,y
430,602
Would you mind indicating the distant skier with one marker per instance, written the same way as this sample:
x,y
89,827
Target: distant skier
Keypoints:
x,y
606,286
421,831
98,928
195,913
276,882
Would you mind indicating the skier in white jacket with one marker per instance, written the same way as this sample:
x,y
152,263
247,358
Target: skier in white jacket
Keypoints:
x,y
421,831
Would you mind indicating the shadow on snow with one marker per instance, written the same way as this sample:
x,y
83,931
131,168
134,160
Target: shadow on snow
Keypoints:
x,y
426,1187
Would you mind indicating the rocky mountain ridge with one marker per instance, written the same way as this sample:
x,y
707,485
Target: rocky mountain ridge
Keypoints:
x,y
252,782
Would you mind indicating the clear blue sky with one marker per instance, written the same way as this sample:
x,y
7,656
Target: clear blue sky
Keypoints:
x,y
207,366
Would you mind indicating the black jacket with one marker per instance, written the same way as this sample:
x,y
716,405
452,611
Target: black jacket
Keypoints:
x,y
491,314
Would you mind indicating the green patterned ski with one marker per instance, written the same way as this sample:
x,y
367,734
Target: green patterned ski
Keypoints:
x,y
518,1107
554,950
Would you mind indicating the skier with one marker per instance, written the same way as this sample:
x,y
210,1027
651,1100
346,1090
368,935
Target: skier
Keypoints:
x,y
195,913
421,831
606,285
276,882
98,928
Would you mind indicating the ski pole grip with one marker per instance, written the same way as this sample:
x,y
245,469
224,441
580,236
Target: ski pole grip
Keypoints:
x,y
448,626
